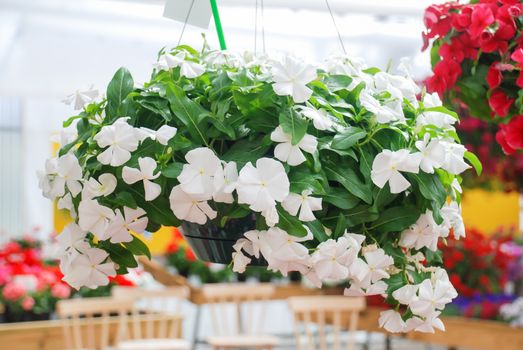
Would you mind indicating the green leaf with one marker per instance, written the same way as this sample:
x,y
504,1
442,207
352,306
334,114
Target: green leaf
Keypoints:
x,y
290,224
173,170
475,162
125,199
120,255
382,197
341,226
359,215
337,82
430,187
120,86
318,231
348,138
348,179
396,219
245,150
158,211
294,124
396,282
189,112
157,105
340,198
433,258
444,110
365,160
138,247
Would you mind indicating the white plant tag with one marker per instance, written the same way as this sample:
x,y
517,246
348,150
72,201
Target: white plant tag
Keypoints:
x,y
199,16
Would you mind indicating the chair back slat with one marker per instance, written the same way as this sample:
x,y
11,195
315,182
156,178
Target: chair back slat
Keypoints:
x,y
241,318
81,315
319,312
152,305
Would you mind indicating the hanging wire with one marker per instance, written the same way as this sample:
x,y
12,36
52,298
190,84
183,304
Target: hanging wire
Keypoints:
x,y
255,27
185,22
263,26
336,27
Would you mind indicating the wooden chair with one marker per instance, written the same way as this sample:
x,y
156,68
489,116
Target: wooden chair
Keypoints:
x,y
163,305
94,323
322,313
232,328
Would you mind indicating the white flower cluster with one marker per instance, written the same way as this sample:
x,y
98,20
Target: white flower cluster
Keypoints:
x,y
263,185
513,312
63,179
425,300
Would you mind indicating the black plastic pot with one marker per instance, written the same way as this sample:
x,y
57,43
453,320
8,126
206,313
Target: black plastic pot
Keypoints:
x,y
11,316
214,244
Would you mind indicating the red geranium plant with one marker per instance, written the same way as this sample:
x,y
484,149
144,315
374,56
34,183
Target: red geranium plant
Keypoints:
x,y
29,286
477,58
477,264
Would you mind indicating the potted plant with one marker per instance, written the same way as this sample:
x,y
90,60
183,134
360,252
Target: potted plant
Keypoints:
x,y
477,56
339,171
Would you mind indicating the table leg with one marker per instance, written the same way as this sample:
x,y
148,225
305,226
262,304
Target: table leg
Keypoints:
x,y
196,327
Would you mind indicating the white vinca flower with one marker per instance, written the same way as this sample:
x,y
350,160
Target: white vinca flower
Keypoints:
x,y
303,203
188,69
72,238
225,183
262,186
423,233
120,225
104,186
291,77
392,322
431,297
162,135
145,173
68,174
292,154
239,262
284,252
90,269
387,165
454,154
438,119
66,202
320,117
120,139
94,217
332,259
452,219
79,98
190,207
197,177
432,154
390,111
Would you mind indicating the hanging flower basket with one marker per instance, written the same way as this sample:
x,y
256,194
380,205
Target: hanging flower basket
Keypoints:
x,y
338,171
477,59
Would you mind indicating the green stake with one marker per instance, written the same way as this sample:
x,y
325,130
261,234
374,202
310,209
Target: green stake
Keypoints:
x,y
218,24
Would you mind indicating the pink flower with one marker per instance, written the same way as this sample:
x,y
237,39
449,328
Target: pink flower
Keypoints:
x,y
61,291
13,291
5,274
28,303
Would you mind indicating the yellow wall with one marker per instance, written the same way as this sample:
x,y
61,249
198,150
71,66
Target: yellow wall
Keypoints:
x,y
487,211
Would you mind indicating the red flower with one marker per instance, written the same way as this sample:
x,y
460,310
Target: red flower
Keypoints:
x,y
480,19
494,76
446,73
500,103
498,40
121,280
510,136
461,21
